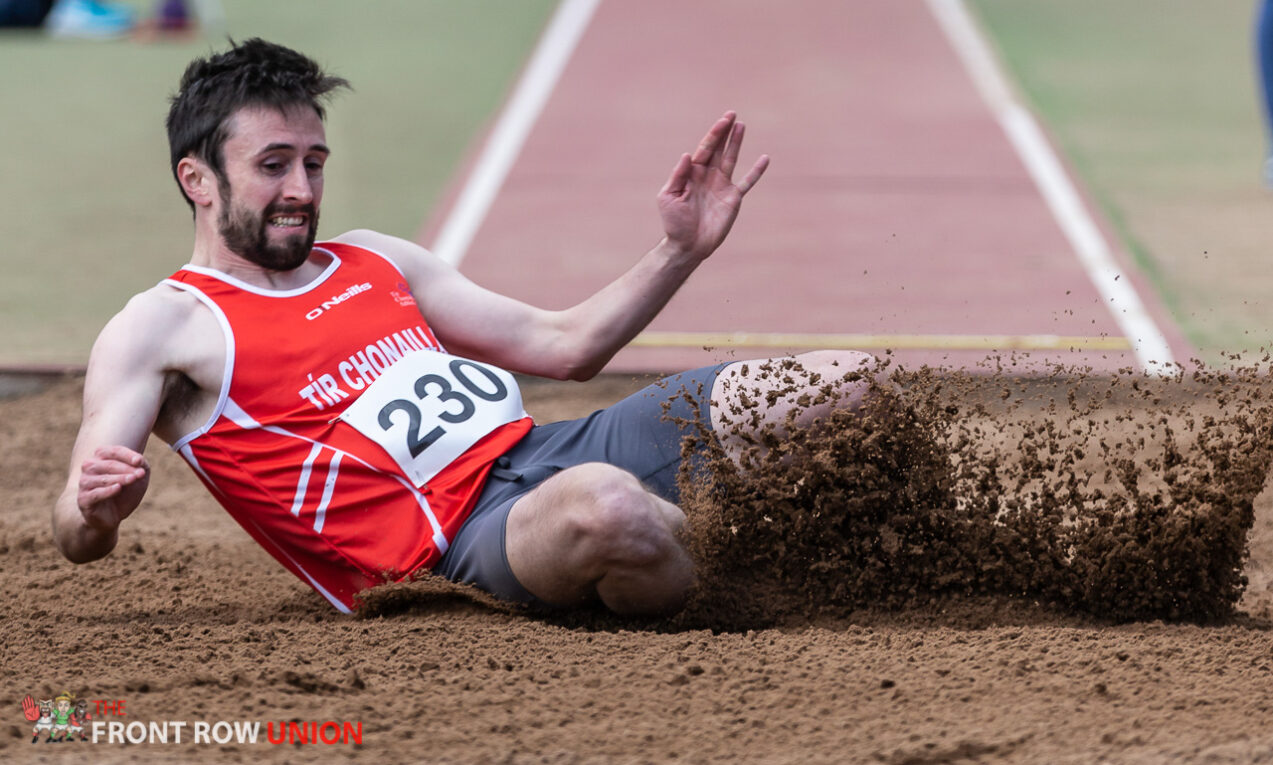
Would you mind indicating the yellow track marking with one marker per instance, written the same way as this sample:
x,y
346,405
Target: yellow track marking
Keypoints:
x,y
896,342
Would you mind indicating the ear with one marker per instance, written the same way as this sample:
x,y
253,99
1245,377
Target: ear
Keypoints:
x,y
197,180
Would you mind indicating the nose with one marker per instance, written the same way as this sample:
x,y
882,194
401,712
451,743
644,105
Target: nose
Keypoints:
x,y
299,186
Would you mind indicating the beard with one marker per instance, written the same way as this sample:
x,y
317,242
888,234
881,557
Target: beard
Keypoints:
x,y
246,234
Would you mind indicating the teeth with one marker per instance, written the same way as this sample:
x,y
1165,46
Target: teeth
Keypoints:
x,y
285,221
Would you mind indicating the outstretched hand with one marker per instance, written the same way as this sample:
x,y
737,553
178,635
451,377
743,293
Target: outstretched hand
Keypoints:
x,y
700,200
112,483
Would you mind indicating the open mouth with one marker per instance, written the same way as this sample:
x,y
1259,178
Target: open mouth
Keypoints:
x,y
287,221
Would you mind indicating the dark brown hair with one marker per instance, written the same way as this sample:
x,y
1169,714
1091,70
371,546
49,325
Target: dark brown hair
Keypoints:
x,y
213,89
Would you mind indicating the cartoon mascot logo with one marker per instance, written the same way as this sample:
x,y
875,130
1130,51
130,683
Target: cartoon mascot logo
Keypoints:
x,y
61,718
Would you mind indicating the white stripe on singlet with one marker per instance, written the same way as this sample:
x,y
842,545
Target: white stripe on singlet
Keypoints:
x,y
303,482
321,514
244,420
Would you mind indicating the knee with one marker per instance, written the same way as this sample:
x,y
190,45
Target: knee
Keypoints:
x,y
616,522
854,373
839,363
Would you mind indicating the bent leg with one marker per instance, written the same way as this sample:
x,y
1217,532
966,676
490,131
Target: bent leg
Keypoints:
x,y
592,531
750,396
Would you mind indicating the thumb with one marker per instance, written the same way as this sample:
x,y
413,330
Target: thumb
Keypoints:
x,y
675,185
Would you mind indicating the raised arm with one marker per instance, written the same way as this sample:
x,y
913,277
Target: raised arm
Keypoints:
x,y
697,205
123,392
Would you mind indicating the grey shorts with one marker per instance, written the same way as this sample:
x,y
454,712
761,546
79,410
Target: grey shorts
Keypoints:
x,y
636,434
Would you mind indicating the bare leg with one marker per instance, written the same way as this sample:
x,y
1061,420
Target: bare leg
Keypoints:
x,y
592,531
741,394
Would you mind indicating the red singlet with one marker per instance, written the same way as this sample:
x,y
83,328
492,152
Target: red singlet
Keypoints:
x,y
326,496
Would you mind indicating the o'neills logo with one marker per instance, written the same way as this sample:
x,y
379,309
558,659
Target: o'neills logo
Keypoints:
x,y
336,300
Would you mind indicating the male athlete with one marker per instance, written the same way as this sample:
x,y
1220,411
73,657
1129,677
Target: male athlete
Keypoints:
x,y
349,402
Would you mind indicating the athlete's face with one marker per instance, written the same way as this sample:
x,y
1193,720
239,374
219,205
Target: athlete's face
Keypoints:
x,y
273,185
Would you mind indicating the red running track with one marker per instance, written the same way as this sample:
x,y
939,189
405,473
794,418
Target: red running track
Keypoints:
x,y
895,207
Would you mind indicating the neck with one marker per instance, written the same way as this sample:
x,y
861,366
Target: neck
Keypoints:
x,y
210,252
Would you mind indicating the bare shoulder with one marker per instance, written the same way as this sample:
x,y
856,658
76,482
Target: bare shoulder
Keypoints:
x,y
151,316
163,354
132,332
164,330
410,257
374,240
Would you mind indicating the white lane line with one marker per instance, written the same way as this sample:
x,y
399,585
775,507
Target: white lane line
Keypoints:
x,y
515,123
1148,342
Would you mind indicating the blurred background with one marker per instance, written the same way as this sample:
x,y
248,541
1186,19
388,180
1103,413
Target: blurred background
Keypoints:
x,y
1153,107
89,211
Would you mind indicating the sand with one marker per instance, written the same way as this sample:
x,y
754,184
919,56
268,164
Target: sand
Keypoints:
x,y
965,575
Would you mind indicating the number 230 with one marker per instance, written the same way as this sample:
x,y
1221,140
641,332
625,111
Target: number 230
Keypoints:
x,y
447,393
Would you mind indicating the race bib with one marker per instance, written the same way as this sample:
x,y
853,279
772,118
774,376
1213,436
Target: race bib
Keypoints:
x,y
430,407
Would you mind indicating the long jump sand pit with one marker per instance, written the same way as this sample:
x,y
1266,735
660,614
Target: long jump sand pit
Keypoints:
x,y
986,569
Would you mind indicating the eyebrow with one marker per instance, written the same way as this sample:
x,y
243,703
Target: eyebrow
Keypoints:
x,y
318,147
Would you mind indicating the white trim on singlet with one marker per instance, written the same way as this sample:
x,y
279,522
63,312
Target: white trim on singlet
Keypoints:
x,y
188,453
264,292
344,609
227,372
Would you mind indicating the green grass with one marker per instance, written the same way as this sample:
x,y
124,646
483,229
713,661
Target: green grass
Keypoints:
x,y
1154,105
88,209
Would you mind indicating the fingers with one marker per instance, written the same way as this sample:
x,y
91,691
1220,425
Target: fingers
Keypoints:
x,y
95,488
89,481
720,148
90,498
108,471
98,501
757,170
729,157
708,149
101,472
121,454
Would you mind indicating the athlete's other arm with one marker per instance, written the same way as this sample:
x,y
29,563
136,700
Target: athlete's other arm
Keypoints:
x,y
123,393
697,205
